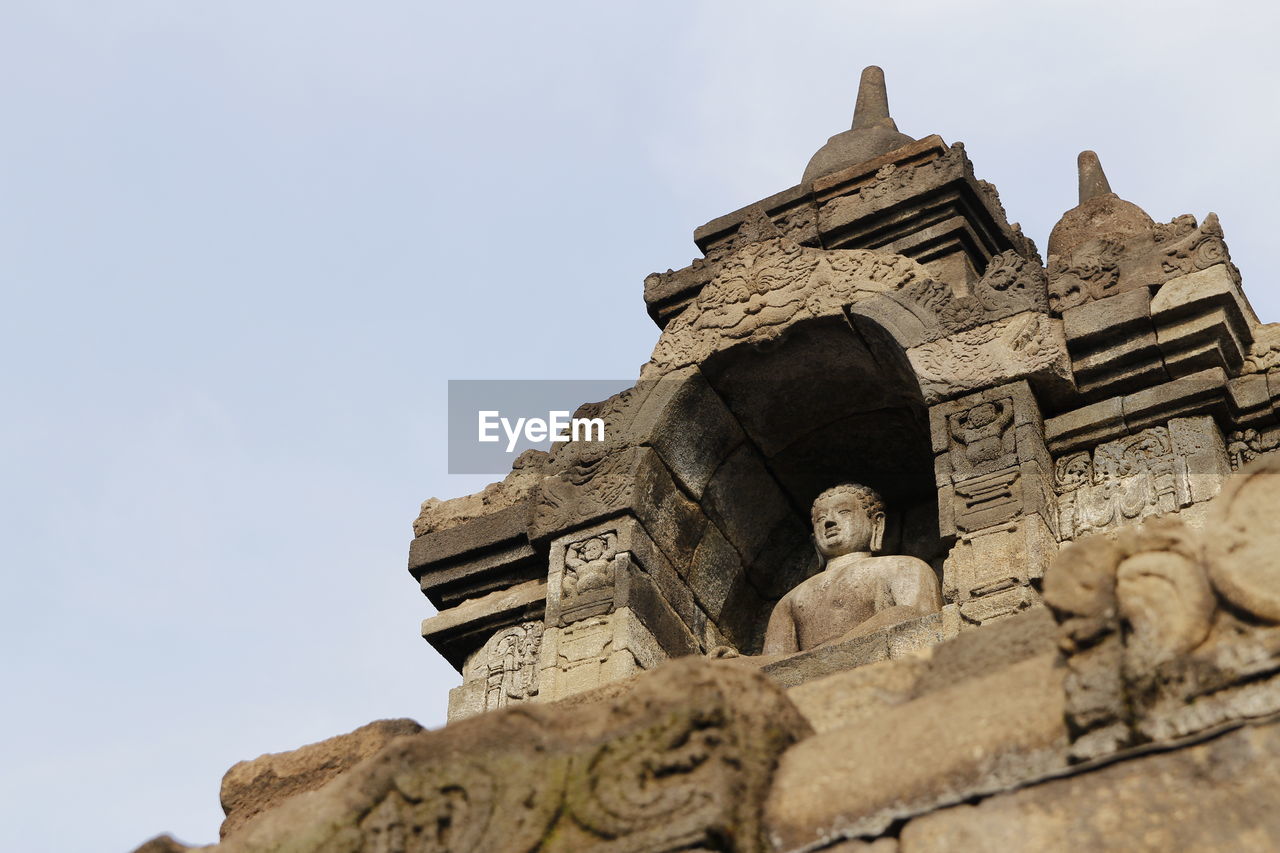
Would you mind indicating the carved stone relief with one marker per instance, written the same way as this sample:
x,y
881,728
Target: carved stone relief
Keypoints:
x,y
982,437
1113,263
1156,471
1168,630
1244,446
587,582
1026,344
767,286
508,665
1121,482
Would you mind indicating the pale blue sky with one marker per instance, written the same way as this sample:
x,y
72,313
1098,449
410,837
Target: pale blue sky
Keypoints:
x,y
244,245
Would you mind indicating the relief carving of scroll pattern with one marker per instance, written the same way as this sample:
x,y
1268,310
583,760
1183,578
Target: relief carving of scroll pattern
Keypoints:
x,y
1121,482
679,767
767,286
1168,630
1011,284
996,352
509,665
799,223
1110,263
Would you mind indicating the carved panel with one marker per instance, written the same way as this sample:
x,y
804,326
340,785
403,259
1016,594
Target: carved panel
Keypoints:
x,y
1027,344
1012,283
982,436
587,584
765,287
1121,482
508,665
1243,446
988,500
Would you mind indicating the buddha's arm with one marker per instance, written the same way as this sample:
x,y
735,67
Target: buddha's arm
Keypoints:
x,y
780,635
915,586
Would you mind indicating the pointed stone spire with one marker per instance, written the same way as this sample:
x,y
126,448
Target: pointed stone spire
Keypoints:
x,y
1100,211
872,108
873,132
1093,181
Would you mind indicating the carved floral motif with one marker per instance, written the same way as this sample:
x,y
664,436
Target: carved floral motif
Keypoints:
x,y
767,286
997,352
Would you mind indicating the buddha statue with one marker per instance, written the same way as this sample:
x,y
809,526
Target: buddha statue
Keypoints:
x,y
857,592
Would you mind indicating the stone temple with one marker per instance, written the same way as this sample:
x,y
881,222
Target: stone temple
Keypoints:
x,y
907,538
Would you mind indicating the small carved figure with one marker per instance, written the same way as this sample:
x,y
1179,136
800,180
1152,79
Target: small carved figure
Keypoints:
x,y
981,430
589,565
857,592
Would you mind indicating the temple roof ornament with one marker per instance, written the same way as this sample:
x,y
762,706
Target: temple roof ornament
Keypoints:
x,y
1100,211
873,133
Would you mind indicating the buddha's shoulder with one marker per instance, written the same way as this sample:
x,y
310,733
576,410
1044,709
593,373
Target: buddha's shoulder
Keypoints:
x,y
897,563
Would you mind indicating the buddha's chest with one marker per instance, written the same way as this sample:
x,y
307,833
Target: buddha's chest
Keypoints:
x,y
834,605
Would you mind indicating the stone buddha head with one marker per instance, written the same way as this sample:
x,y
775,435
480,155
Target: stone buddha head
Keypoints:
x,y
848,519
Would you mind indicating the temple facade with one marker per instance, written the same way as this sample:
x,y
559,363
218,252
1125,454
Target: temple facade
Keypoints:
x,y
908,538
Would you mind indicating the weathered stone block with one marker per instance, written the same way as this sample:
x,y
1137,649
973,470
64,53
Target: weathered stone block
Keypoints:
x,y
1250,401
1000,604
846,698
679,760
1028,345
685,421
999,559
252,787
1197,394
1113,346
745,502
975,737
1203,321
1215,796
1085,426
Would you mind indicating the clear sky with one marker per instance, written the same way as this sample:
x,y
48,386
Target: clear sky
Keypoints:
x,y
243,245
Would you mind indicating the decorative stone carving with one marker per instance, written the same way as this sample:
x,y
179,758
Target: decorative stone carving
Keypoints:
x,y
587,585
765,287
856,593
1264,353
1092,272
1168,630
1013,283
511,665
1029,344
502,672
1244,446
681,762
1124,481
1116,262
982,436
1156,471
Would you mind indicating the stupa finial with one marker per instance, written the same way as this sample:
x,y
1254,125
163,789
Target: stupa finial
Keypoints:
x,y
872,107
1093,181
